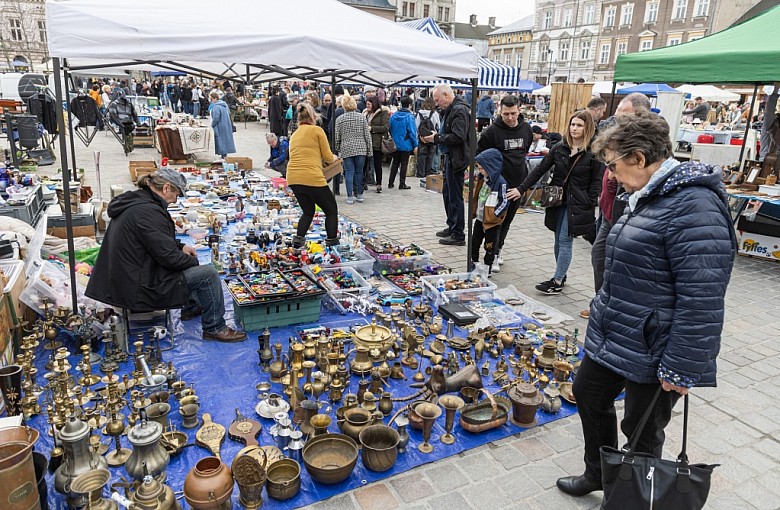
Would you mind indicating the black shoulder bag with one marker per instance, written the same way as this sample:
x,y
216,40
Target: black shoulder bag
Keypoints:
x,y
552,196
640,480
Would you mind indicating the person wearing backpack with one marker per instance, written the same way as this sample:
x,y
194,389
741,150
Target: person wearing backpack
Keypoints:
x,y
428,122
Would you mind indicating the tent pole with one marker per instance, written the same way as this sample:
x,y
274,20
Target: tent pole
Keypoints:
x,y
747,127
335,181
65,183
472,154
612,97
68,77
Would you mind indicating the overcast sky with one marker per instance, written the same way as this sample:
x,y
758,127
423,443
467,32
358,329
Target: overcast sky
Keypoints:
x,y
505,11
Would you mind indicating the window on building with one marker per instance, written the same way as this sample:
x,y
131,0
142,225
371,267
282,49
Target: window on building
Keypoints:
x,y
426,10
547,20
16,29
411,9
620,49
405,9
609,17
674,41
651,12
564,52
587,18
626,14
42,30
497,56
543,52
695,37
446,14
646,45
508,59
680,6
567,17
584,50
439,13
604,55
519,60
701,8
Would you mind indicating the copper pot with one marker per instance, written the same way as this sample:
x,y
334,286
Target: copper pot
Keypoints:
x,y
283,479
209,485
355,420
525,399
19,490
330,458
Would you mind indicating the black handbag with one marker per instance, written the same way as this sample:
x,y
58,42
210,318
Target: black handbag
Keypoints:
x,y
640,480
552,196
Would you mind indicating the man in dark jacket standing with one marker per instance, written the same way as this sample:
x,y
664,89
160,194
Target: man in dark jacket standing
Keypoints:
x,y
511,135
275,112
486,109
454,136
142,267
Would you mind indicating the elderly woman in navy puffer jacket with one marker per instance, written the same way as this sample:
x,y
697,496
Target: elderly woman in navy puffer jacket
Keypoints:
x,y
658,318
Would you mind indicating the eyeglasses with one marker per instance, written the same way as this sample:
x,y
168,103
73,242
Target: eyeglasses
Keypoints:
x,y
611,164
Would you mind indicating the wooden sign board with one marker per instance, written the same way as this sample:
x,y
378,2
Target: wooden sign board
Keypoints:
x,y
564,100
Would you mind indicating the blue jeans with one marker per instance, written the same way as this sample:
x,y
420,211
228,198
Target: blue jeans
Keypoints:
x,y
353,174
204,284
195,108
563,244
452,191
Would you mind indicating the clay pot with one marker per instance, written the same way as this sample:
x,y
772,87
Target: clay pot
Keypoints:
x,y
209,485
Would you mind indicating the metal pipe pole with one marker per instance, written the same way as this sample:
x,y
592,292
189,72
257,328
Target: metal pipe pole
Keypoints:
x,y
747,126
472,154
65,184
68,77
336,180
612,97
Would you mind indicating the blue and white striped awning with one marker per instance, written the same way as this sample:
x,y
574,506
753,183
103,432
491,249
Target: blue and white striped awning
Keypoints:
x,y
492,75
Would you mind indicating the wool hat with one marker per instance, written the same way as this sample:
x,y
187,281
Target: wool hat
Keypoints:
x,y
536,130
174,178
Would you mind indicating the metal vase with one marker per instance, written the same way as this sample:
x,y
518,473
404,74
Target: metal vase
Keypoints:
x,y
11,387
18,486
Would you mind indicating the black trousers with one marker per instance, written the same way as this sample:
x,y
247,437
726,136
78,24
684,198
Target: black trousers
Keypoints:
x,y
378,156
399,158
425,154
511,211
596,388
490,236
310,196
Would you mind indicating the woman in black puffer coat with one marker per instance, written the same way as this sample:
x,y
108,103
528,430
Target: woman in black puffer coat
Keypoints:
x,y
573,167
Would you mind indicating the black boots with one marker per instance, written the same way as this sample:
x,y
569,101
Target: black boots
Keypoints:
x,y
332,241
298,242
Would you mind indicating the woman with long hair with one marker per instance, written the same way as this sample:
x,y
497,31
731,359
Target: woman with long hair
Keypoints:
x,y
573,167
308,149
378,118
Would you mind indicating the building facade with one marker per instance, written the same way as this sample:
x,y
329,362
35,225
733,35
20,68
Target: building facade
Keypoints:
x,y
442,11
474,35
511,45
643,25
565,37
382,8
23,35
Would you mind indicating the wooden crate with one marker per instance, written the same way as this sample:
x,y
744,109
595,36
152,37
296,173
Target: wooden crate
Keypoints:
x,y
139,168
241,162
564,100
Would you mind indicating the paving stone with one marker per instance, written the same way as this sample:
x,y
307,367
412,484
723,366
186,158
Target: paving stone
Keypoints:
x,y
481,466
486,495
412,488
544,473
451,501
509,456
534,449
572,462
340,502
561,442
446,477
727,502
376,497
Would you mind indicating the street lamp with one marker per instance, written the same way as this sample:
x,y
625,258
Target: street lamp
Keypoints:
x,y
550,65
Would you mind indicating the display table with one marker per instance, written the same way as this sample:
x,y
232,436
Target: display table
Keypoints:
x,y
692,135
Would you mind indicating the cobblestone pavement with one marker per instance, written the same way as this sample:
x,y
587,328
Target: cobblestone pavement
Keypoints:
x,y
736,424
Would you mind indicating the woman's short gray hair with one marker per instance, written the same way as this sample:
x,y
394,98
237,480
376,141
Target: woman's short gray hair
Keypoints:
x,y
270,137
645,133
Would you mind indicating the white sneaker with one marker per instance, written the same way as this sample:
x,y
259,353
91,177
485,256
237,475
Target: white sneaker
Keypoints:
x,y
495,267
499,261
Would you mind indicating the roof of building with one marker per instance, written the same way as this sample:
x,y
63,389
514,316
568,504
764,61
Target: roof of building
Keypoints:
x,y
522,25
469,31
374,4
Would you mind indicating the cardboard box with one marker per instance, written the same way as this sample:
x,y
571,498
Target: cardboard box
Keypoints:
x,y
84,231
757,245
241,162
434,183
139,168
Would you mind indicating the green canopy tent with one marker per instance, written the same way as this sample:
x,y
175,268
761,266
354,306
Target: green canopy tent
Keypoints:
x,y
745,53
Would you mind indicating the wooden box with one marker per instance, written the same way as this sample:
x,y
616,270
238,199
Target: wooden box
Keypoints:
x,y
241,162
83,231
434,183
139,168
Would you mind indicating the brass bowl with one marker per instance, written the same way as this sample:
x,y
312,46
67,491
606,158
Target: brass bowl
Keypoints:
x,y
283,479
330,458
380,447
189,399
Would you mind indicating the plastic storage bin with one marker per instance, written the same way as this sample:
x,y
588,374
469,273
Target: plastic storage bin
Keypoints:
x,y
29,212
484,292
363,262
389,263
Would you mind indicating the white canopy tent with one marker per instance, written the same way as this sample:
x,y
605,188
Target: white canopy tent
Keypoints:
x,y
332,41
256,33
709,93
